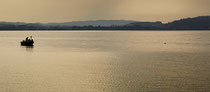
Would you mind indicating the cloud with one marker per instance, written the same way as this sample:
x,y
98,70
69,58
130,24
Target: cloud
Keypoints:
x,y
73,10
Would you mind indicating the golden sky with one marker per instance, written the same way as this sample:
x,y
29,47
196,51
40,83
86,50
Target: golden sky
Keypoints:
x,y
81,10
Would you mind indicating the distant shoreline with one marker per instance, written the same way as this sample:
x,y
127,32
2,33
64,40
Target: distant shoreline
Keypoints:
x,y
102,30
196,23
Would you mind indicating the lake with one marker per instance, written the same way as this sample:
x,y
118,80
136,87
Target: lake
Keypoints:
x,y
105,61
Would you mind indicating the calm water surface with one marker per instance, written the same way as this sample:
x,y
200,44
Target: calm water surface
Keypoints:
x,y
120,61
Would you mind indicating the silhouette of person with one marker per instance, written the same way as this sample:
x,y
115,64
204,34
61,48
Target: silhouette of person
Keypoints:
x,y
26,39
31,39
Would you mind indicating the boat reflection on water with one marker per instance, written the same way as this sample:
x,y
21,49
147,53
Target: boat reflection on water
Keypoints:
x,y
28,48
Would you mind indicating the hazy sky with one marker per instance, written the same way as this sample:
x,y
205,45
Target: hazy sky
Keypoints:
x,y
79,10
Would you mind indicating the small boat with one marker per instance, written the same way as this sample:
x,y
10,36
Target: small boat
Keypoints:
x,y
27,42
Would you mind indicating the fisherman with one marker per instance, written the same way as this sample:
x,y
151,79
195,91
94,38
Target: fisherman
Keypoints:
x,y
31,39
26,39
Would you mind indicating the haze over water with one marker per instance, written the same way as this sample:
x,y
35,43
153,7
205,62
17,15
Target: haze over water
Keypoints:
x,y
105,61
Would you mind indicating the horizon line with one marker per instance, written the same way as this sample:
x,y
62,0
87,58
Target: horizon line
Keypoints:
x,y
99,20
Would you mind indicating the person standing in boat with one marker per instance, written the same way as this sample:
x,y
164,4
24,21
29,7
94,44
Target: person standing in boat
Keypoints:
x,y
26,39
31,39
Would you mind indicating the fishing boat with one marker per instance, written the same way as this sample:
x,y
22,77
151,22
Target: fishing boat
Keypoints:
x,y
27,42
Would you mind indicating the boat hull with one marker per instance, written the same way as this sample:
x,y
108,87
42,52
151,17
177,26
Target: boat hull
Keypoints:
x,y
24,43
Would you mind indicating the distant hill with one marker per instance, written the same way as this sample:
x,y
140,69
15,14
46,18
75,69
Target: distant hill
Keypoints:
x,y
21,26
146,24
93,23
11,23
196,23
